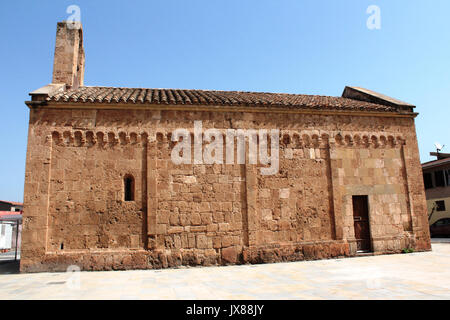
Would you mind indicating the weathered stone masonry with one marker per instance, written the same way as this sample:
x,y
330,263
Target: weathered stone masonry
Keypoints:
x,y
84,141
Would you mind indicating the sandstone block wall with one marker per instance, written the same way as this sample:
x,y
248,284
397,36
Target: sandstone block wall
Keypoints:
x,y
75,211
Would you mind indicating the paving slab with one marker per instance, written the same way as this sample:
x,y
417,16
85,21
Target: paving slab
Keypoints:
x,y
424,275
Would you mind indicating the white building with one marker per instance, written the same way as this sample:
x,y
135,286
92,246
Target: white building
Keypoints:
x,y
6,233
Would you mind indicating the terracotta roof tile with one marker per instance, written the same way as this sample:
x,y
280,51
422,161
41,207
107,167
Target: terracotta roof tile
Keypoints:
x,y
9,213
109,95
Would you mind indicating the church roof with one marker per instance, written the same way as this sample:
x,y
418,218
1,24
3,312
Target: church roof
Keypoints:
x,y
140,96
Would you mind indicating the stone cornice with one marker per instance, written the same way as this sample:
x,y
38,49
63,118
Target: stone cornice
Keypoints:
x,y
201,108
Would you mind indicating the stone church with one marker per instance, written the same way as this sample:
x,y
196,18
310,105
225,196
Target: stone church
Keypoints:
x,y
103,193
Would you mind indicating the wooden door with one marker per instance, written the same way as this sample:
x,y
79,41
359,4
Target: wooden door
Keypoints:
x,y
361,223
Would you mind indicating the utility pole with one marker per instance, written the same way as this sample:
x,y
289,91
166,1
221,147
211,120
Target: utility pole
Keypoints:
x,y
17,239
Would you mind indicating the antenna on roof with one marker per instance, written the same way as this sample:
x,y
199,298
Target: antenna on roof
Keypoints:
x,y
439,147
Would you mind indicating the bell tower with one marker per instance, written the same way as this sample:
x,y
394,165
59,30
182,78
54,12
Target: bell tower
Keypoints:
x,y
68,66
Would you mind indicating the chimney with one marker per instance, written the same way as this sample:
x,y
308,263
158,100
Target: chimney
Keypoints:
x,y
68,66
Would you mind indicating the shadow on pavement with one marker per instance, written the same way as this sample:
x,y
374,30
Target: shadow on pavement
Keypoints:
x,y
440,240
10,267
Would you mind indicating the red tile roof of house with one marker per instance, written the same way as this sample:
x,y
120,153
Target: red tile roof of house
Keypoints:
x,y
9,213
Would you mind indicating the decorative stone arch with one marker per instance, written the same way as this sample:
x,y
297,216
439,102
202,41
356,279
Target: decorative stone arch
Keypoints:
x,y
383,141
296,140
100,138
365,141
112,138
56,137
67,137
374,141
315,140
348,140
324,140
143,137
90,139
286,139
306,140
357,140
339,139
123,138
78,139
401,141
159,137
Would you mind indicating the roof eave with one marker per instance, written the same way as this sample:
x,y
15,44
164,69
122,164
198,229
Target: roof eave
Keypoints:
x,y
221,108
44,92
435,164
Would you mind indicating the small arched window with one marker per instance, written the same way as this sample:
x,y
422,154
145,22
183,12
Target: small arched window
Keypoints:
x,y
129,188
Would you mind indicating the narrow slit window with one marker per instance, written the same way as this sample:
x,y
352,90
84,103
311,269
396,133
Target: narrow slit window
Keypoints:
x,y
129,188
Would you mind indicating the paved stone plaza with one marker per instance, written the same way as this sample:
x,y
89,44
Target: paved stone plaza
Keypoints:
x,y
403,276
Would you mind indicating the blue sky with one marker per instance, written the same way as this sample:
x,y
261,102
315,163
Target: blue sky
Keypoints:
x,y
293,46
